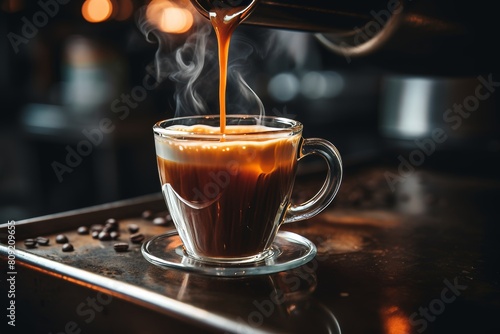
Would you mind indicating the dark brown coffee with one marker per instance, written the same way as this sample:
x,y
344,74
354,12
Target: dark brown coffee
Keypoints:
x,y
228,197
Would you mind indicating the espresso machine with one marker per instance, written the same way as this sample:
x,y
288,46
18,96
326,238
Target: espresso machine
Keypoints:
x,y
429,37
432,52
432,55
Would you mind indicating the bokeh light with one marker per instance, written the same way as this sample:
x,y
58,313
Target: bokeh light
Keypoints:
x,y
169,17
176,20
97,10
284,87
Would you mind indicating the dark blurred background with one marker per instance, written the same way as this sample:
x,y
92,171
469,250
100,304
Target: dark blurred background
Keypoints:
x,y
79,97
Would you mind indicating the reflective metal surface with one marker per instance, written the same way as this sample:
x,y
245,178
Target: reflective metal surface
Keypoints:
x,y
399,251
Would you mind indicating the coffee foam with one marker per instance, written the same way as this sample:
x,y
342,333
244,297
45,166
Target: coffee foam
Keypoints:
x,y
262,153
230,129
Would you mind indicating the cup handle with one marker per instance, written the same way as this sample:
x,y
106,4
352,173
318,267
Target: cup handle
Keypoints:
x,y
330,187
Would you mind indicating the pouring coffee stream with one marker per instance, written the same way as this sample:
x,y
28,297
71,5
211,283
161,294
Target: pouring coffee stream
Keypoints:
x,y
225,16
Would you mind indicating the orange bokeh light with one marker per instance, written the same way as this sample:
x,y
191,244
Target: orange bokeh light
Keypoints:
x,y
97,10
176,20
169,17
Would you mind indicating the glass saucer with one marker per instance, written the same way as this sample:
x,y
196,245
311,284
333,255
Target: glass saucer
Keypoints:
x,y
289,250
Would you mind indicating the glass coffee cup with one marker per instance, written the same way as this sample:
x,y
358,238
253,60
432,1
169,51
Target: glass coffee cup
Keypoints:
x,y
229,194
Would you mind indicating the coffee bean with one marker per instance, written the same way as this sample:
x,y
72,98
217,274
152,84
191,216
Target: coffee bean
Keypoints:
x,y
147,214
96,227
67,247
61,239
133,228
114,235
159,221
30,243
109,228
137,238
120,246
95,234
42,241
83,230
103,236
168,218
112,222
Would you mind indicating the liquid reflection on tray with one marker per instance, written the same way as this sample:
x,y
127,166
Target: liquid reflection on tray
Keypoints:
x,y
261,302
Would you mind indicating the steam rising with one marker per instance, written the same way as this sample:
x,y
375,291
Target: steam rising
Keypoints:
x,y
190,61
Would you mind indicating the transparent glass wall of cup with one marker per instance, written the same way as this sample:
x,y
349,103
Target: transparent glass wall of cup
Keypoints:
x,y
228,194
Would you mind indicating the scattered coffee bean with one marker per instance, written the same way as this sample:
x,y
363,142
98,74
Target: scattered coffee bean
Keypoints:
x,y
109,228
30,243
133,228
159,221
120,246
67,247
112,222
137,238
147,214
42,241
96,227
83,230
61,239
95,234
114,235
103,236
